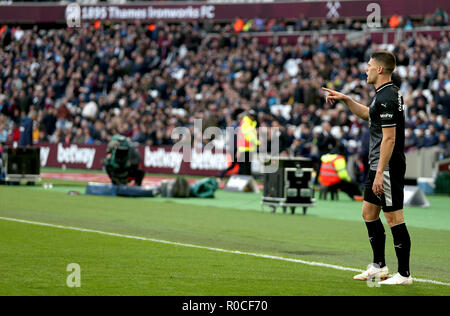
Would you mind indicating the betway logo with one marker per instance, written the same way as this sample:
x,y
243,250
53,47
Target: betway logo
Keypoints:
x,y
205,160
386,116
74,154
163,159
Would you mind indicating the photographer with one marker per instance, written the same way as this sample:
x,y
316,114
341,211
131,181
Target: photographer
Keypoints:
x,y
122,162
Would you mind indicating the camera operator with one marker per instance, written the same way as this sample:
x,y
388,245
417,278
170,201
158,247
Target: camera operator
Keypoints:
x,y
122,162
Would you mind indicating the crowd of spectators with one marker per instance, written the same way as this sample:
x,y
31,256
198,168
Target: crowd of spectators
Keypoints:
x,y
303,23
85,85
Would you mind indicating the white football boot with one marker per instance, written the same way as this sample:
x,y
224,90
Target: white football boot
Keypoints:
x,y
373,271
398,279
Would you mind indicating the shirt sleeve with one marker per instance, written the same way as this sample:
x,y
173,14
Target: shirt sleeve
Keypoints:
x,y
387,107
340,166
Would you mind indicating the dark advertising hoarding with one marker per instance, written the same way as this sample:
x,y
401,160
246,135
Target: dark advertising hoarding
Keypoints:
x,y
155,159
150,11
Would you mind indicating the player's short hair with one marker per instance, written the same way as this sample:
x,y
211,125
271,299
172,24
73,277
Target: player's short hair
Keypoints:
x,y
386,59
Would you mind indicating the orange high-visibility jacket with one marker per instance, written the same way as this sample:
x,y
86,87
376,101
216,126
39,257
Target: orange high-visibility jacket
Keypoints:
x,y
333,170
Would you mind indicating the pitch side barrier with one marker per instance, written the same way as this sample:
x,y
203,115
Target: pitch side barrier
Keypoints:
x,y
155,159
204,162
50,12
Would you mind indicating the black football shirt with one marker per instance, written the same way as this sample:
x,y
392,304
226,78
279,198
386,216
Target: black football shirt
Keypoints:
x,y
387,110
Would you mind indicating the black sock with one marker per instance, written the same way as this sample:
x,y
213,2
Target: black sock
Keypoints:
x,y
377,238
402,244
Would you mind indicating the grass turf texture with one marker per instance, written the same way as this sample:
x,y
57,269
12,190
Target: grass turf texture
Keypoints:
x,y
34,258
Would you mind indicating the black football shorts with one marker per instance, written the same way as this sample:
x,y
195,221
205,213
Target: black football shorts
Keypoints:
x,y
393,184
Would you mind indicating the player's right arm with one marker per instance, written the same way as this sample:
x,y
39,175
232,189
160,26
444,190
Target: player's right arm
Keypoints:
x,y
357,108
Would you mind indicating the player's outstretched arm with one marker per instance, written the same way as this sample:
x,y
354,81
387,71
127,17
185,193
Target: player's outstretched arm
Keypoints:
x,y
357,108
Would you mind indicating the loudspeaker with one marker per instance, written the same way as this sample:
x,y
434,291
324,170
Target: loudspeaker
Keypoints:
x,y
22,163
288,182
241,183
413,196
292,182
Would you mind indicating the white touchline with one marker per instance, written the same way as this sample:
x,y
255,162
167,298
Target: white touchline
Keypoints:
x,y
260,255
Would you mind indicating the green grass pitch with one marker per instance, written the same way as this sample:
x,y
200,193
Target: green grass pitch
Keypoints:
x,y
33,258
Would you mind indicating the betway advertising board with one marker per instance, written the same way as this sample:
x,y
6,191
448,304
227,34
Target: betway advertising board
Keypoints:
x,y
155,159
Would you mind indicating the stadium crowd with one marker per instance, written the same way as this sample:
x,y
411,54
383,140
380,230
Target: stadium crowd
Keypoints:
x,y
85,85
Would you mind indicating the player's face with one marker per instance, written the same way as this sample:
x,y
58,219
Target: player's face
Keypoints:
x,y
372,71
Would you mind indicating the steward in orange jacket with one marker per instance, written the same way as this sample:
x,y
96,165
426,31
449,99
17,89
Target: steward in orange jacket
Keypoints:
x,y
333,173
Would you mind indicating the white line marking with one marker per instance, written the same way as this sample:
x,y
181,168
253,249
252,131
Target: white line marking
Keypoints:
x,y
260,255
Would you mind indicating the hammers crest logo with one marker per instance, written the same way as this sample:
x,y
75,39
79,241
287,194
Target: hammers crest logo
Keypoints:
x,y
333,7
